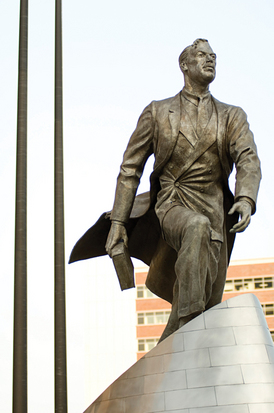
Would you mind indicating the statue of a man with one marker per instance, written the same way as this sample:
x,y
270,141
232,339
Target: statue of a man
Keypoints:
x,y
195,140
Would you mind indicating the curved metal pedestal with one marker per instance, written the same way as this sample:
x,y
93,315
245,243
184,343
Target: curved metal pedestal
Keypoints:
x,y
221,362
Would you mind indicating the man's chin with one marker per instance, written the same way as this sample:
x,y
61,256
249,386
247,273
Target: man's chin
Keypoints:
x,y
209,76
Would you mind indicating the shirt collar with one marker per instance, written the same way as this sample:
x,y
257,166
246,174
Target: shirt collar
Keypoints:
x,y
194,98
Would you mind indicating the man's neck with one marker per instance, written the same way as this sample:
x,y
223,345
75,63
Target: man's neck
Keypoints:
x,y
196,89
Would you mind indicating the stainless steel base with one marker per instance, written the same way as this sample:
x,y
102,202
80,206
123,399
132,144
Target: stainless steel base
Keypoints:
x,y
221,362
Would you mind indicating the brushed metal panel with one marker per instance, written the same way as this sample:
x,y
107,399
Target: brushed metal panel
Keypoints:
x,y
214,376
181,399
208,338
261,373
245,393
242,354
252,335
187,359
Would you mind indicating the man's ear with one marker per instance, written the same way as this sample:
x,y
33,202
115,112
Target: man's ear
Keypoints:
x,y
183,67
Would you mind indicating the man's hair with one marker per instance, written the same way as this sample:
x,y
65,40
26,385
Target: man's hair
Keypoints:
x,y
183,56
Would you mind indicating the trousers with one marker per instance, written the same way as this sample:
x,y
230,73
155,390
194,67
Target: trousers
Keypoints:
x,y
196,267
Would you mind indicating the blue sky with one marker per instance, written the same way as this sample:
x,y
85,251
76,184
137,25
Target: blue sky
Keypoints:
x,y
118,57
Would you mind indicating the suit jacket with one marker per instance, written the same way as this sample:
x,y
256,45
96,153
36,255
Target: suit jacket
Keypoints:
x,y
156,133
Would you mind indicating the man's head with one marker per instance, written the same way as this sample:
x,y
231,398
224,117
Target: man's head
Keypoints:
x,y
198,62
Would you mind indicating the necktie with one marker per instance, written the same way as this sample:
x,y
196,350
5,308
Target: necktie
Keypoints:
x,y
202,118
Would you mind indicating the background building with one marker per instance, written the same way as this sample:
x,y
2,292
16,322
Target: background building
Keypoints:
x,y
247,276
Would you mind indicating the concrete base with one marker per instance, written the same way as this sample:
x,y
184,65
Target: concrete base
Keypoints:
x,y
221,362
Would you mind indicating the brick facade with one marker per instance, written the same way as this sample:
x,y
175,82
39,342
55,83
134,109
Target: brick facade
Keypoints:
x,y
246,269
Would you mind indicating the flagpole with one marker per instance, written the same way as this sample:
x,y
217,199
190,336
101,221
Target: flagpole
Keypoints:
x,y
20,250
59,256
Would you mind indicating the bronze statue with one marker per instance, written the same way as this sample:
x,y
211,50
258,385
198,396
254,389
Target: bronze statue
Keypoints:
x,y
185,227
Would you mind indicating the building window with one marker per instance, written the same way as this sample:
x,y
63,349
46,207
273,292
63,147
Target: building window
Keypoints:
x,y
247,284
268,308
157,317
147,344
272,335
144,292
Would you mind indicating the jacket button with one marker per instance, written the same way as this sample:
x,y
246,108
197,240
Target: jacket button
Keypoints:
x,y
201,190
177,184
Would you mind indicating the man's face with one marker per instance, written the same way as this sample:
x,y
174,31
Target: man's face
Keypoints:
x,y
200,64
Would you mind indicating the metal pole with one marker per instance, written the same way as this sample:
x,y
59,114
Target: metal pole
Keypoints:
x,y
59,256
20,251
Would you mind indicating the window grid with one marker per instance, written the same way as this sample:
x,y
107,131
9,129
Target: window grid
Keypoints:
x,y
156,317
247,284
144,292
268,309
147,344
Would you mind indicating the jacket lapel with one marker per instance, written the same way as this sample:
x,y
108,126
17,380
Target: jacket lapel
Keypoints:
x,y
174,116
222,115
187,129
204,143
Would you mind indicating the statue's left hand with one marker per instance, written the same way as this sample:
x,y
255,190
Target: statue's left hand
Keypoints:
x,y
244,209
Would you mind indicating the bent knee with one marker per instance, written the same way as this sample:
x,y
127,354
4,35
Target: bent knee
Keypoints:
x,y
199,224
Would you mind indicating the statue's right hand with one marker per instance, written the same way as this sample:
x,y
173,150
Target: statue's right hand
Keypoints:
x,y
116,234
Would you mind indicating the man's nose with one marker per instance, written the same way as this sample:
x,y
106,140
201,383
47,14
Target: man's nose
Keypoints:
x,y
209,58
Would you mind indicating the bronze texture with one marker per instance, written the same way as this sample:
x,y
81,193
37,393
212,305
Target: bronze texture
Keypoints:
x,y
185,227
